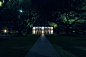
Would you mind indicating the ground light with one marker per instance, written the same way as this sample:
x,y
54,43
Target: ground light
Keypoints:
x,y
5,31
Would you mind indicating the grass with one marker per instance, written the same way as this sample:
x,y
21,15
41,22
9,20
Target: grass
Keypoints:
x,y
16,46
69,46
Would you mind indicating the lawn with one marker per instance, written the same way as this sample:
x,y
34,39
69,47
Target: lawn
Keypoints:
x,y
16,46
69,46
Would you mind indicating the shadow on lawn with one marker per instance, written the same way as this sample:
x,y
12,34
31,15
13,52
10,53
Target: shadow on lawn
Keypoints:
x,y
1,39
75,51
71,49
81,40
20,35
16,46
68,42
78,35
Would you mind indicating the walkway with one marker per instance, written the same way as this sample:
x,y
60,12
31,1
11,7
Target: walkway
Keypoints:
x,y
42,48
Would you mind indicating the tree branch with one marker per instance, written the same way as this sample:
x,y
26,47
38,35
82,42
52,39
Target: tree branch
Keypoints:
x,y
4,4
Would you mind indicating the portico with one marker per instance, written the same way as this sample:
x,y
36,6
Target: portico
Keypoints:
x,y
42,30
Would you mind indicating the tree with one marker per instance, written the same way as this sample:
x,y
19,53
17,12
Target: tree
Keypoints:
x,y
3,3
18,14
69,19
67,13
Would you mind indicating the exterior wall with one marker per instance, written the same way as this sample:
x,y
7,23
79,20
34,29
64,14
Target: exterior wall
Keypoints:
x,y
42,30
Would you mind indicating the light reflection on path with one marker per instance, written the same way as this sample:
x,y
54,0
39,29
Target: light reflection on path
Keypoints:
x,y
42,48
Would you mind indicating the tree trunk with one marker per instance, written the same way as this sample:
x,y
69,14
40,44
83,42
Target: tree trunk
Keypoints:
x,y
58,30
67,30
19,33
